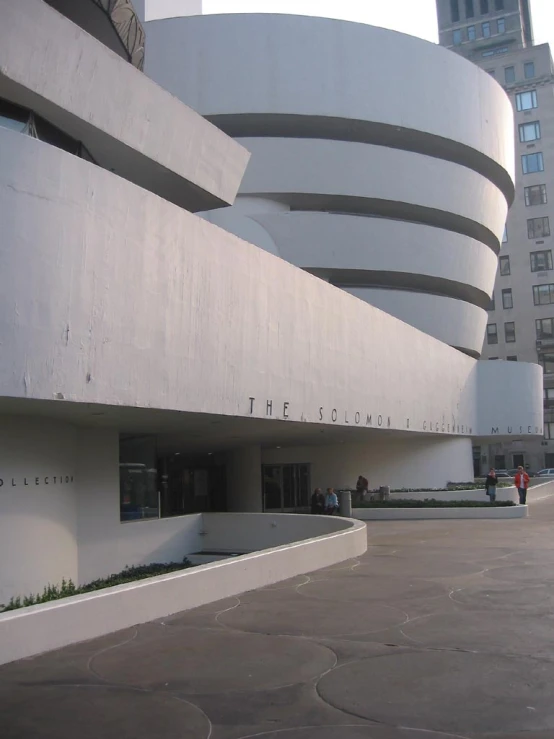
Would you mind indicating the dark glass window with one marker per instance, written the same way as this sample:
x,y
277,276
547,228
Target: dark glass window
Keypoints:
x,y
455,11
538,228
510,332
535,195
492,333
484,6
470,11
541,261
543,294
504,264
529,70
507,299
545,328
509,75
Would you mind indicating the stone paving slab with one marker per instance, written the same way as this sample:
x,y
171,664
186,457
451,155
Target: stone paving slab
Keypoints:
x,y
443,630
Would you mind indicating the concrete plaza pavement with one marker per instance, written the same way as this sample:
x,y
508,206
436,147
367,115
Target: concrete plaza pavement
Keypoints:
x,y
443,630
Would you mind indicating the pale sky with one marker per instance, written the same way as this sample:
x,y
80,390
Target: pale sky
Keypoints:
x,y
416,17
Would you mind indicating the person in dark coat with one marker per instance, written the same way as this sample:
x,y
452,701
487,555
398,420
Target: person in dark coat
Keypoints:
x,y
490,485
318,502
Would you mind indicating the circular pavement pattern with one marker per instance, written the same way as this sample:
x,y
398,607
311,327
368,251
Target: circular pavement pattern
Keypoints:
x,y
531,573
349,732
484,632
310,617
98,713
371,588
214,661
494,596
446,691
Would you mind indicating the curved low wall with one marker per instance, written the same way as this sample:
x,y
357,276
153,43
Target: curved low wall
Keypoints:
x,y
29,631
419,514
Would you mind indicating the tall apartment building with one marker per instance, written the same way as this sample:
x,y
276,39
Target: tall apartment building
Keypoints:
x,y
497,35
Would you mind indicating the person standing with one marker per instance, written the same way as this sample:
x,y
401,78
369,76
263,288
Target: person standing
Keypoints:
x,y
490,485
318,502
331,502
522,483
362,487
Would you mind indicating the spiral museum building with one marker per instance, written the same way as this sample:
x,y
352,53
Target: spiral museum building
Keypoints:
x,y
250,256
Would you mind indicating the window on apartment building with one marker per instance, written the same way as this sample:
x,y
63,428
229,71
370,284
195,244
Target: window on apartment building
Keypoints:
x,y
501,25
509,75
499,4
541,261
537,228
507,299
493,359
471,35
505,235
529,131
543,294
549,430
457,37
486,29
545,328
535,195
532,163
504,264
548,393
529,70
510,332
492,333
526,100
470,10
484,6
492,304
454,11
512,358
546,361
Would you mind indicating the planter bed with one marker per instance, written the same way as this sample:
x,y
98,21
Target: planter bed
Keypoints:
x,y
406,510
433,503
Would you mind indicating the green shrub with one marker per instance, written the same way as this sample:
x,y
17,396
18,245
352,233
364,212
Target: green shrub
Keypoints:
x,y
452,486
67,587
432,503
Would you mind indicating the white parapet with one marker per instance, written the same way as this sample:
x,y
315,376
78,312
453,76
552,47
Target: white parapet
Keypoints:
x,y
300,544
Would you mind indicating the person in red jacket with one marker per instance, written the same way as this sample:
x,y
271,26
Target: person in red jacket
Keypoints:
x,y
522,483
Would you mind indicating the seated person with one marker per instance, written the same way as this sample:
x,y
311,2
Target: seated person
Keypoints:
x,y
331,502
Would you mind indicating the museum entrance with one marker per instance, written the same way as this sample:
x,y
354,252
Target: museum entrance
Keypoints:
x,y
286,487
157,484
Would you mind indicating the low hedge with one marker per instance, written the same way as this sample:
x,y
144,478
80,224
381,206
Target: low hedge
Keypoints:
x,y
432,503
454,486
67,587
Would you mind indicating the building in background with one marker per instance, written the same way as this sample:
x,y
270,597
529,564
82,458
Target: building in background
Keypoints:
x,y
497,35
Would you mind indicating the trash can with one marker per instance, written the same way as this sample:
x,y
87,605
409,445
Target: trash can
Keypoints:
x,y
384,492
345,507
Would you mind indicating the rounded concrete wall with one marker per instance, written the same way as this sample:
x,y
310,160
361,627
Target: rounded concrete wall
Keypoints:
x,y
391,159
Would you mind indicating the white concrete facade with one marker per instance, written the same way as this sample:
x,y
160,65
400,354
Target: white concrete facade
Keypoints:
x,y
123,314
331,141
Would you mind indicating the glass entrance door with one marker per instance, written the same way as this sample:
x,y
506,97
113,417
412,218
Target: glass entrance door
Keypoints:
x,y
286,487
